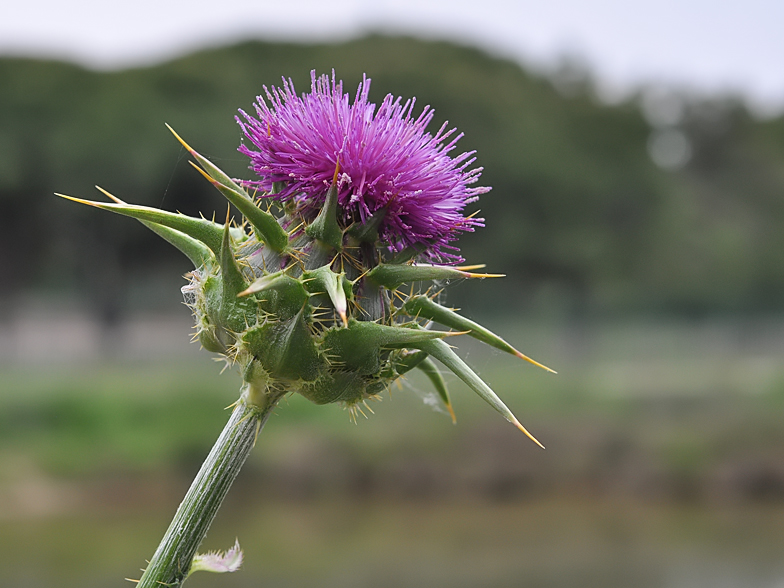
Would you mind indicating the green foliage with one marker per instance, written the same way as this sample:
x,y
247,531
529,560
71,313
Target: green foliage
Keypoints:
x,y
579,217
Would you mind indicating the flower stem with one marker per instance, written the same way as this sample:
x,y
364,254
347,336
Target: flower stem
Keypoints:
x,y
170,564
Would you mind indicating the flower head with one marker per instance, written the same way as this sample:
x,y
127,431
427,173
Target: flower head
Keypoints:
x,y
302,296
387,161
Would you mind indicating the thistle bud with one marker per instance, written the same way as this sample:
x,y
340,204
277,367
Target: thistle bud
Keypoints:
x,y
350,203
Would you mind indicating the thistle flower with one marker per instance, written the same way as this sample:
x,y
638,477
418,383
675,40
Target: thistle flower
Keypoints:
x,y
325,290
389,164
308,301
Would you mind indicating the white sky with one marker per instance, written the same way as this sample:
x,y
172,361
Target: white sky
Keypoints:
x,y
704,45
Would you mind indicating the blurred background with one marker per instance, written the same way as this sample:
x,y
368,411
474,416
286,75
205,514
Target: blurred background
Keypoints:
x,y
636,155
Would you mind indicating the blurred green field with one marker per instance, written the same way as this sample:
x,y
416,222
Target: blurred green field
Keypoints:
x,y
676,403
664,467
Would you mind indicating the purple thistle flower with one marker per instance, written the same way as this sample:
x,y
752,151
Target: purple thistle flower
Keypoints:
x,y
387,160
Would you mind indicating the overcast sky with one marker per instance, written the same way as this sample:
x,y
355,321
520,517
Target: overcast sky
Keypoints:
x,y
708,46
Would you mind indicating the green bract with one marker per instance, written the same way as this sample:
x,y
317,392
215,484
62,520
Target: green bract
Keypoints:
x,y
313,307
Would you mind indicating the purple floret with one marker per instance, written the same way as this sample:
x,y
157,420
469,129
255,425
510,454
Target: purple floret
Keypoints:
x,y
386,159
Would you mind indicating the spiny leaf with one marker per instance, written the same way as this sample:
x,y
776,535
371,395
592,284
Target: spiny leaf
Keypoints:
x,y
196,251
325,228
209,233
357,346
264,224
409,361
430,369
233,280
422,306
393,275
444,353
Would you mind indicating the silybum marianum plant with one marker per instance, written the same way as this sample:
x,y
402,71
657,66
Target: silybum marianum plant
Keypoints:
x,y
330,283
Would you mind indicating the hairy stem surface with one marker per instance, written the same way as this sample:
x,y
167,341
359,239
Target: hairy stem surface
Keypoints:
x,y
170,564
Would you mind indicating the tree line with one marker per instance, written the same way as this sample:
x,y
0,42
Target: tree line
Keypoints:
x,y
581,218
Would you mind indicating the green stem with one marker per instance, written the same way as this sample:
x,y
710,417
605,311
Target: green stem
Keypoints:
x,y
172,560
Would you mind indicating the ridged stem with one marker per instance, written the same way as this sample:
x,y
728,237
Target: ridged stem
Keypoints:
x,y
170,564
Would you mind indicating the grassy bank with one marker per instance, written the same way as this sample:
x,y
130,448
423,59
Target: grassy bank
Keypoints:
x,y
657,410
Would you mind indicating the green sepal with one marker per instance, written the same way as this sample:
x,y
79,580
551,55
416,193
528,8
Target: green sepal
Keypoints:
x,y
209,233
234,313
393,275
263,282
444,353
324,281
280,294
264,224
199,254
432,372
375,301
348,287
325,228
285,348
212,290
231,275
210,342
335,387
226,312
215,335
407,254
409,361
358,346
213,170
